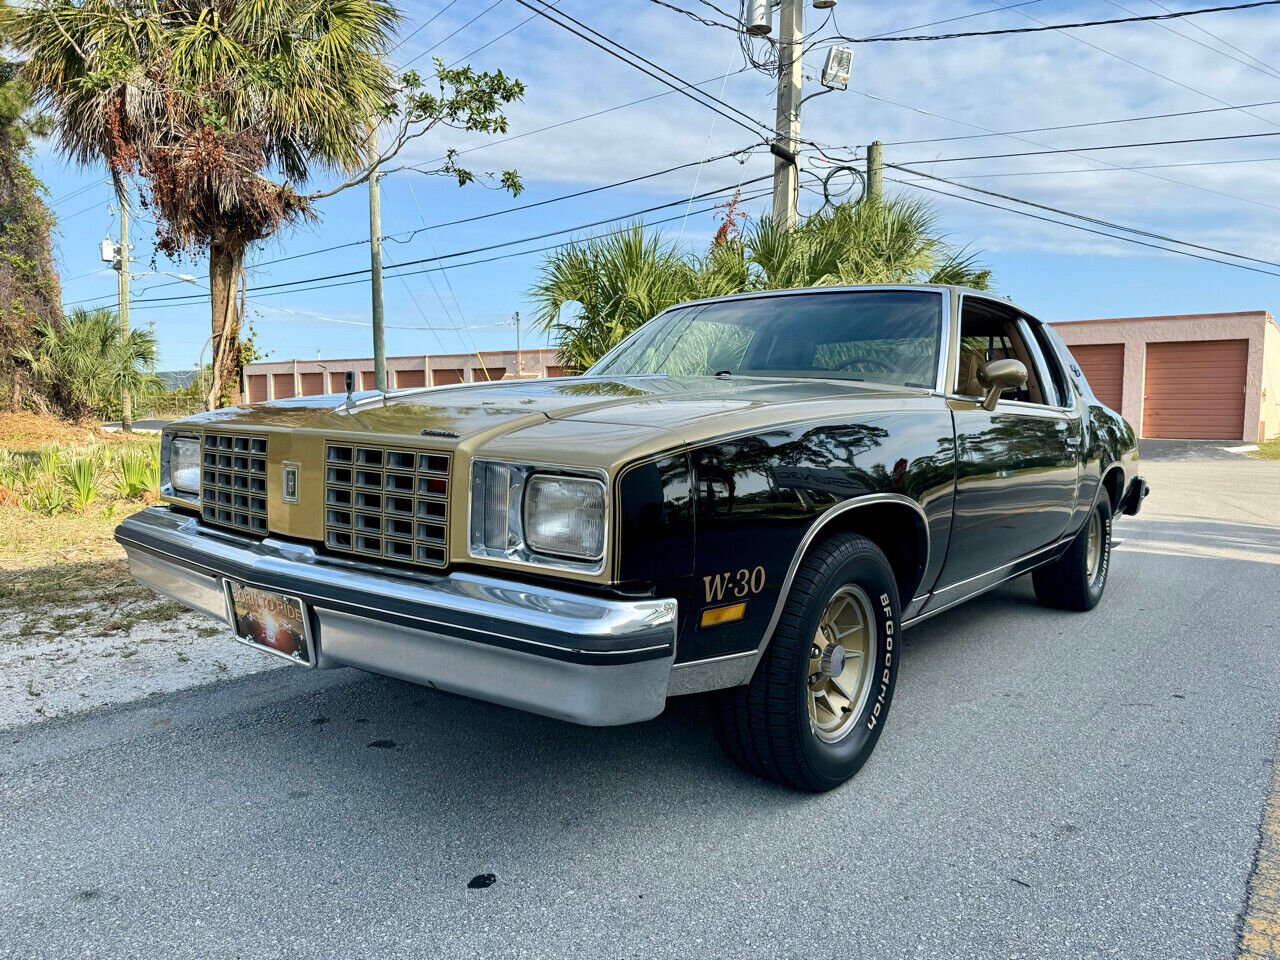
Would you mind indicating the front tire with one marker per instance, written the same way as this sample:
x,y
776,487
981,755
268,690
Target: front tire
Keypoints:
x,y
811,715
1075,580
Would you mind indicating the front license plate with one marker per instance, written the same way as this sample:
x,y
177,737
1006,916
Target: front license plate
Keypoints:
x,y
270,621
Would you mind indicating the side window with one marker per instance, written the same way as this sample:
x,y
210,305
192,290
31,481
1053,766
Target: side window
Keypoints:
x,y
1050,363
1049,377
988,333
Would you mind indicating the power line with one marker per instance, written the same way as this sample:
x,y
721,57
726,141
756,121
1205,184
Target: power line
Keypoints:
x,y
1263,69
698,18
1225,42
407,236
965,16
482,249
438,43
1149,166
1080,216
1077,126
1082,227
1111,146
1092,159
1144,69
681,85
1176,15
420,27
156,305
485,46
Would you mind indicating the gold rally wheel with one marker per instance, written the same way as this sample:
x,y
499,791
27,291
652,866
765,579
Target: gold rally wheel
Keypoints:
x,y
813,712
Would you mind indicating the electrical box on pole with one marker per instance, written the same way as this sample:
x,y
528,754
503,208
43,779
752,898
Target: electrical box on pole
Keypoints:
x,y
836,71
758,17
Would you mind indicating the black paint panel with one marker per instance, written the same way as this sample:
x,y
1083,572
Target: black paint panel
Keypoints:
x,y
757,496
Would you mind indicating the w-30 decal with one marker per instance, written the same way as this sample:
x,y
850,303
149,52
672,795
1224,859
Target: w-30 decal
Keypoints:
x,y
734,583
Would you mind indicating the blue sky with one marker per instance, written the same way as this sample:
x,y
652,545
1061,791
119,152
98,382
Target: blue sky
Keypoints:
x,y
899,92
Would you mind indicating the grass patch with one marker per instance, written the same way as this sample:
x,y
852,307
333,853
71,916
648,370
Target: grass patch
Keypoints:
x,y
1268,450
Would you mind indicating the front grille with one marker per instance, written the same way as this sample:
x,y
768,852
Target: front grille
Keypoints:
x,y
233,482
387,502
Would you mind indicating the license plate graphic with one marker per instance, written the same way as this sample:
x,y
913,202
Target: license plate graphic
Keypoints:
x,y
269,621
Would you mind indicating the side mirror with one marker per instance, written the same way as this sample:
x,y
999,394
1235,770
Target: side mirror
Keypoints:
x,y
349,381
997,376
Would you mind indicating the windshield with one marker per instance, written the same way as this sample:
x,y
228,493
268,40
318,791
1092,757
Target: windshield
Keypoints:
x,y
887,336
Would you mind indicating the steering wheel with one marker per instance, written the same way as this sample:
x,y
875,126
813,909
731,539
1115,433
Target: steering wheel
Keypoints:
x,y
875,365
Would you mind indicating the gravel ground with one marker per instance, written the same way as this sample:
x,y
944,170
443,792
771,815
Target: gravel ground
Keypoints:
x,y
92,657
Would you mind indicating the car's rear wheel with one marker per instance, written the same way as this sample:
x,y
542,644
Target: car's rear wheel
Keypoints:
x,y
814,709
1076,580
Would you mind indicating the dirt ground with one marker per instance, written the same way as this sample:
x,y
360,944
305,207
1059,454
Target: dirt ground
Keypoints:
x,y
76,632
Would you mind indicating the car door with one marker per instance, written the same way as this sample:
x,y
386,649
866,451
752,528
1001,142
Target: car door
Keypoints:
x,y
1017,466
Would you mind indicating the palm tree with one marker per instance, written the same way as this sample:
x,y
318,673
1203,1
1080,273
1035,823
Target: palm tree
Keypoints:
x,y
624,278
218,110
618,281
86,362
29,288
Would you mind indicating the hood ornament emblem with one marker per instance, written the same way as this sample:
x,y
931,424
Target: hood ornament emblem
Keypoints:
x,y
452,435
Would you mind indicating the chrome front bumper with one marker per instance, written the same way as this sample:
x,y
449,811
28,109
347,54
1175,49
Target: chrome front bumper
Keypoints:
x,y
581,658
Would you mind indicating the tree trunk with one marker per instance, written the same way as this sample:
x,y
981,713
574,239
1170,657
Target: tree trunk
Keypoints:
x,y
224,272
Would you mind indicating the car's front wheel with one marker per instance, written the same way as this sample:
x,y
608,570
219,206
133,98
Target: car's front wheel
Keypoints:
x,y
814,709
1075,580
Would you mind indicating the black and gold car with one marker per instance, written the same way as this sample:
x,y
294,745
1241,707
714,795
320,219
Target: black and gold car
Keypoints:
x,y
751,497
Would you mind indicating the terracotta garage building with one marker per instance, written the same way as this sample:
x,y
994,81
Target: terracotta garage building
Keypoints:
x,y
1211,376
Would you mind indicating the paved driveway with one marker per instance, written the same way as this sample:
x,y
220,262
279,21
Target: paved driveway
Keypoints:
x,y
1049,785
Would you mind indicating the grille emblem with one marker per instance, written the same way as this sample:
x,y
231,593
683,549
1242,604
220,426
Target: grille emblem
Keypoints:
x,y
290,492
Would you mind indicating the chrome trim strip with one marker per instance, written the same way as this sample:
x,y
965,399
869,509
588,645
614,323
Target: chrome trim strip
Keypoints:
x,y
1033,556
500,604
622,678
1005,566
714,673
811,534
945,291
525,557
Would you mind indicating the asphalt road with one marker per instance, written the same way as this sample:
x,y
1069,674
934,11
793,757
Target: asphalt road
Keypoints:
x,y
1048,785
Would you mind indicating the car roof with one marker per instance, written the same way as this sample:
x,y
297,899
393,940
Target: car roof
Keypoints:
x,y
953,290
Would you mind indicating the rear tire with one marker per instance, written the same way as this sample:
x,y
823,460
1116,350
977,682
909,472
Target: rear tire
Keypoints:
x,y
811,715
1075,580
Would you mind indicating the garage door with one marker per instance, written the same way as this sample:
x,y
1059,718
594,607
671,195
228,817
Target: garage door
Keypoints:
x,y
1195,391
1103,366
446,376
312,384
411,378
257,387
282,386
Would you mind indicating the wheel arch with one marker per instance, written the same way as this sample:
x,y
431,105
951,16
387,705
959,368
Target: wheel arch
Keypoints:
x,y
1113,483
879,517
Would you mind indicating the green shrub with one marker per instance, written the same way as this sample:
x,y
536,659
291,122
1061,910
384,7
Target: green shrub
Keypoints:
x,y
83,480
139,473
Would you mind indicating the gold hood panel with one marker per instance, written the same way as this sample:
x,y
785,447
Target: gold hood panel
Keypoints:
x,y
601,424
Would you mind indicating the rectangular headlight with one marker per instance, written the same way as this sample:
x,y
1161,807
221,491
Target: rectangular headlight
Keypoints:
x,y
184,464
564,516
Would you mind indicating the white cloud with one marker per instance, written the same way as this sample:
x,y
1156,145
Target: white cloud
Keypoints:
x,y
999,83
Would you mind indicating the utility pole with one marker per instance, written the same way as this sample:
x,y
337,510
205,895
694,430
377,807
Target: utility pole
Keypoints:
x,y
375,265
875,170
786,168
122,284
519,365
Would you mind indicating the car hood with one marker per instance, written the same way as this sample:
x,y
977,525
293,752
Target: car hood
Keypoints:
x,y
678,404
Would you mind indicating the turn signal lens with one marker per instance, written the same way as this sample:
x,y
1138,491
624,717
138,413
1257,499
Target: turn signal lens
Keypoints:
x,y
718,615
